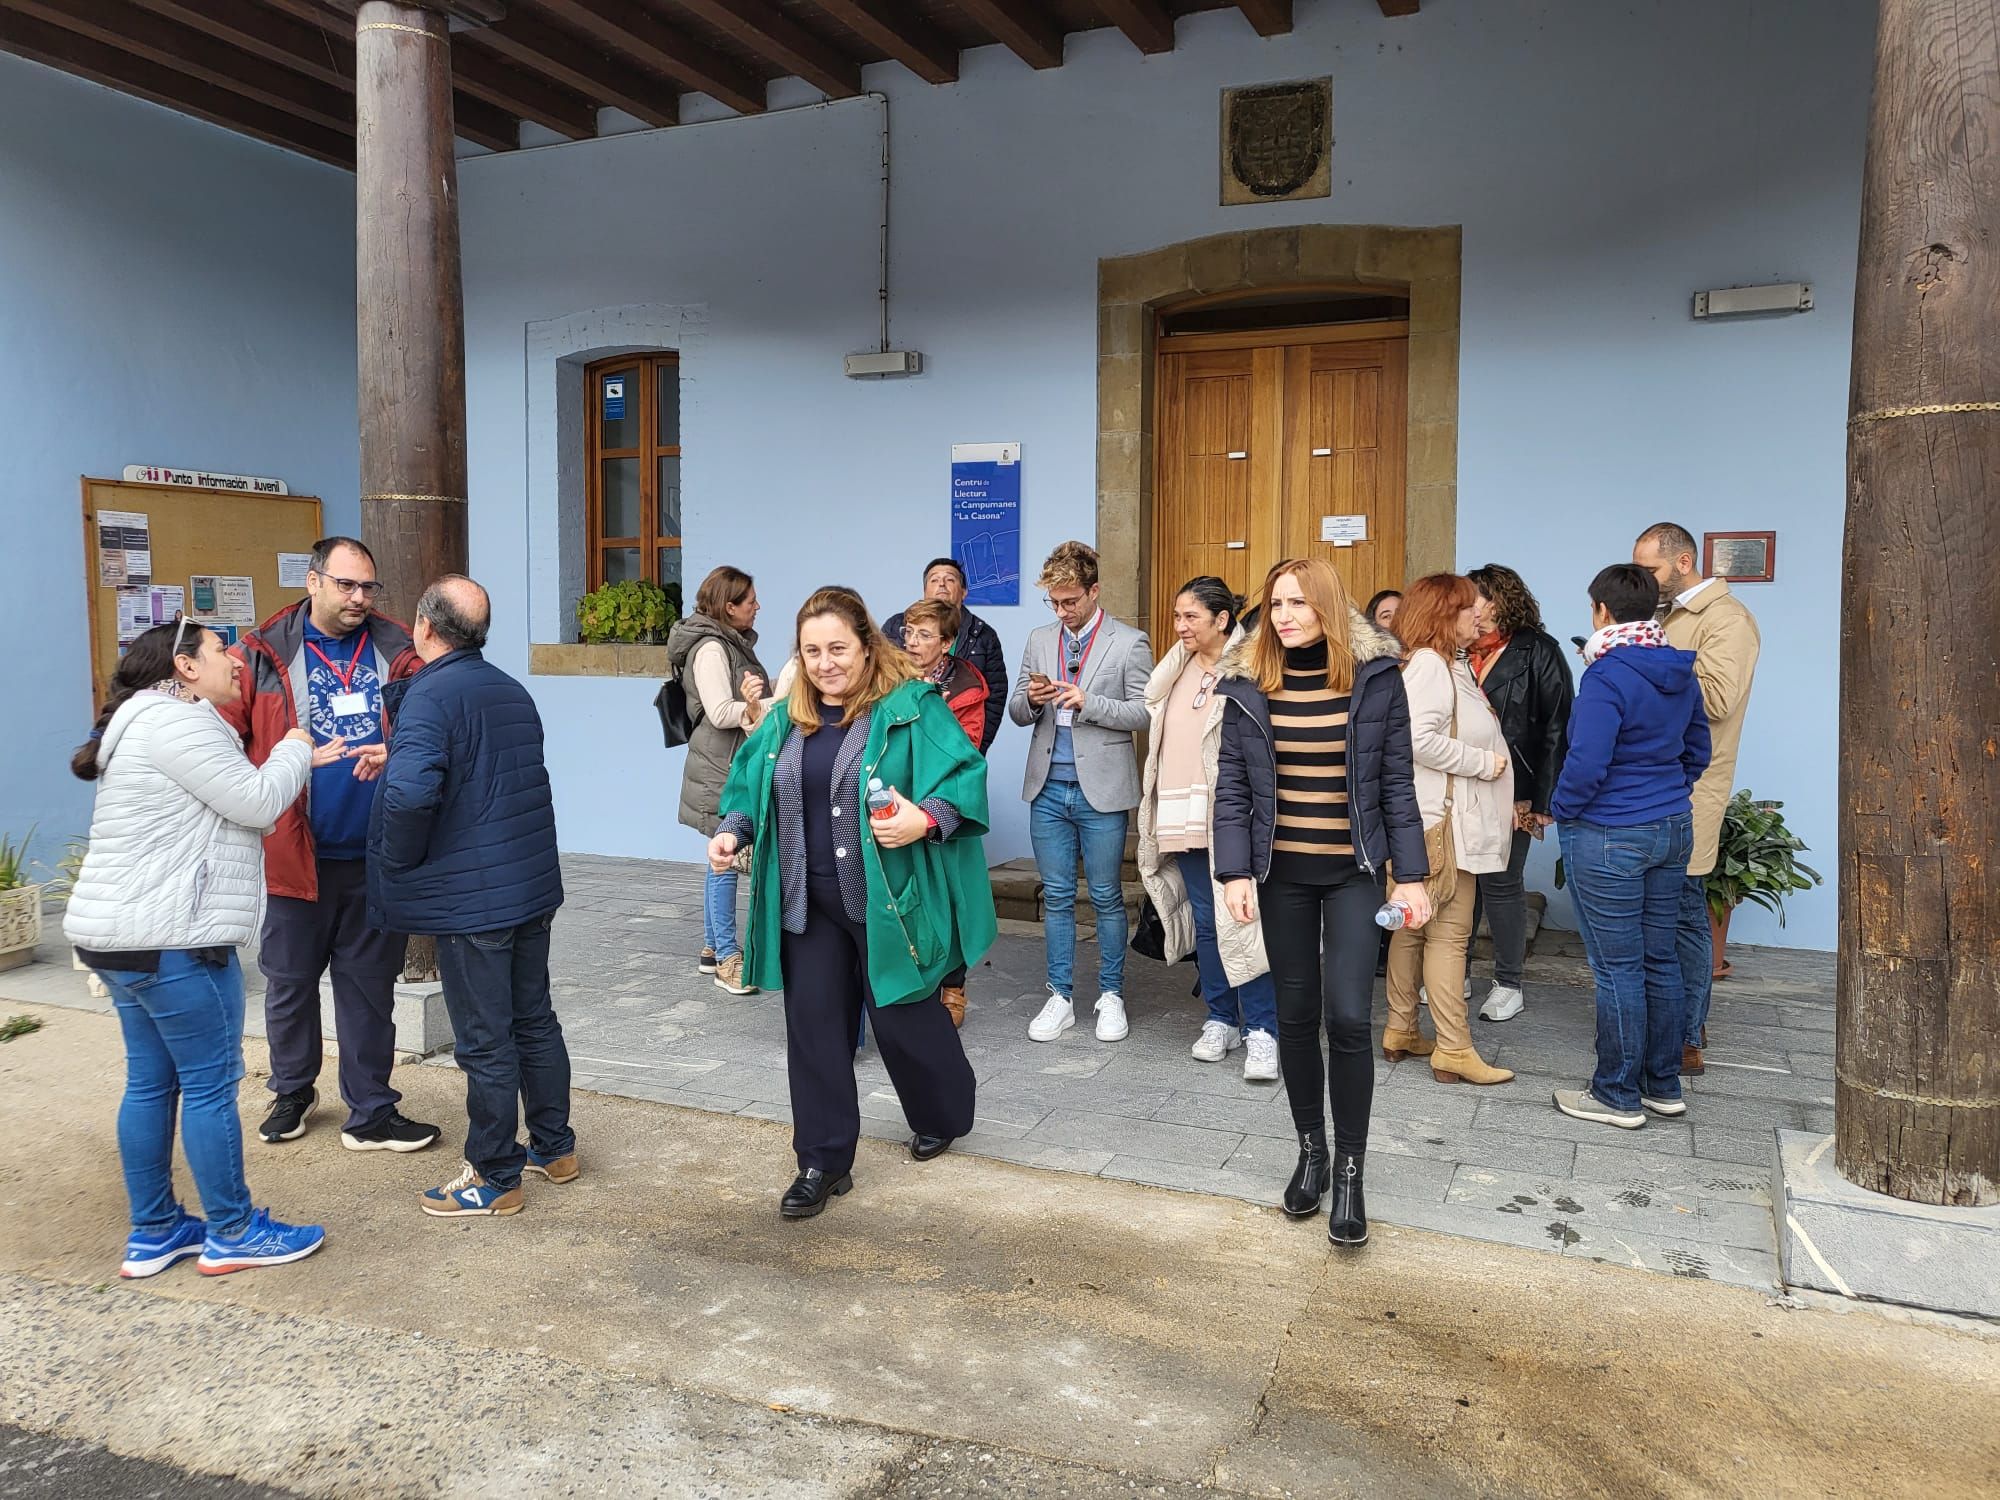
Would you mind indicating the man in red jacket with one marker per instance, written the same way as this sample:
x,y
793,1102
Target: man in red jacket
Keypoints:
x,y
322,664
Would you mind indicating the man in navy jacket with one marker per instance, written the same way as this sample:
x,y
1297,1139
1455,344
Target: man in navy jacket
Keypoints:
x,y
463,845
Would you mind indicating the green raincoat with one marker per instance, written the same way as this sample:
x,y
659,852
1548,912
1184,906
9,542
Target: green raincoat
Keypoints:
x,y
930,905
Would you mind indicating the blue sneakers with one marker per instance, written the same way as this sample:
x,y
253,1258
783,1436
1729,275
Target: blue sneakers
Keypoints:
x,y
469,1194
150,1254
265,1242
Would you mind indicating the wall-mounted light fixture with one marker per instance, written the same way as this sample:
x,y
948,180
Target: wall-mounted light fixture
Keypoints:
x,y
1786,296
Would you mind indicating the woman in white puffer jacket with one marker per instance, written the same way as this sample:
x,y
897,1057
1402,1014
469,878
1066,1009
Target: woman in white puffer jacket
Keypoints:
x,y
170,887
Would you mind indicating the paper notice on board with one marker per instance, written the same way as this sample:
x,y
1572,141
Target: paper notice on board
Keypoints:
x,y
140,609
224,600
124,548
1343,531
292,568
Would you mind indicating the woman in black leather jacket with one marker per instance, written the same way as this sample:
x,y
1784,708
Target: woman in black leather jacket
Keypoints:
x,y
1528,682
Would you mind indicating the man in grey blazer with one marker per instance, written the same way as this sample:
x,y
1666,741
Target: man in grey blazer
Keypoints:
x,y
1083,690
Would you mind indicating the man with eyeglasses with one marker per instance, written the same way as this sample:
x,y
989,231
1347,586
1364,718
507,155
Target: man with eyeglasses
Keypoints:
x,y
322,664
976,642
1083,690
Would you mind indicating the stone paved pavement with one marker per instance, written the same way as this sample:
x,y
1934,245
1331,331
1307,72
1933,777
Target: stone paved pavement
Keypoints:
x,y
1689,1197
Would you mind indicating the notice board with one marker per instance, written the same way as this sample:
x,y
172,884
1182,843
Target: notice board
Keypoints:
x,y
224,551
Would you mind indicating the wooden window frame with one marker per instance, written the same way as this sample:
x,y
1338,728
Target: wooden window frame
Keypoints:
x,y
652,369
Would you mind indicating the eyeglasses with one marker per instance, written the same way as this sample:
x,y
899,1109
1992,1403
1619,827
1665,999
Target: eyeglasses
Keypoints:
x,y
1207,687
366,588
1061,604
911,633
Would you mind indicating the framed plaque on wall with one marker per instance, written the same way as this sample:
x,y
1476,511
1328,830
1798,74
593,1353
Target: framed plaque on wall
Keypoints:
x,y
1739,556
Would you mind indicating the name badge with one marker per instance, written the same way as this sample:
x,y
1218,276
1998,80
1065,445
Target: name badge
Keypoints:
x,y
1065,717
350,705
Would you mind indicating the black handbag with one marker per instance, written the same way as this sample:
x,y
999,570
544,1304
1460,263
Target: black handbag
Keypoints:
x,y
1149,933
676,723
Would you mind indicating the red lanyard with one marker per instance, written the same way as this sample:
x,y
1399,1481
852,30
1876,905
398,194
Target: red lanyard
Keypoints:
x,y
1062,656
346,678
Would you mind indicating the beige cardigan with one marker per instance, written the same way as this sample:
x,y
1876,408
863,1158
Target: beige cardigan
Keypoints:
x,y
1472,763
1722,634
1240,944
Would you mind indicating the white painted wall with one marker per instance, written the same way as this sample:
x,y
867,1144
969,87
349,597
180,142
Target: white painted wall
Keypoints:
x,y
1606,161
170,293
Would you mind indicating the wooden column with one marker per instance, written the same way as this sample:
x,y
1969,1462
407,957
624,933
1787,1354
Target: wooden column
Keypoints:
x,y
410,303
1917,1055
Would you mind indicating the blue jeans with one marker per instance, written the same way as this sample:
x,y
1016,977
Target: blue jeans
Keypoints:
x,y
183,1042
1062,826
509,1045
1252,1006
718,914
1628,885
1697,953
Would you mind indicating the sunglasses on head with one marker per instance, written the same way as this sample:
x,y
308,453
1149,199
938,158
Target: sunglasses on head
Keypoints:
x,y
181,623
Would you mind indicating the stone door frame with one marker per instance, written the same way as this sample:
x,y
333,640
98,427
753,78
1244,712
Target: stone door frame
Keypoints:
x,y
1421,264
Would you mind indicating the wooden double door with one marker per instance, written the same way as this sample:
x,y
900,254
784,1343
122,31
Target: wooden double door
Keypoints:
x,y
1278,444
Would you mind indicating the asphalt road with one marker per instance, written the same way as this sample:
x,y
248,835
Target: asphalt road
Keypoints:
x,y
34,1467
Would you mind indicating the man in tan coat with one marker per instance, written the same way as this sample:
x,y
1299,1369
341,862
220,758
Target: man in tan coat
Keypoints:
x,y
1702,616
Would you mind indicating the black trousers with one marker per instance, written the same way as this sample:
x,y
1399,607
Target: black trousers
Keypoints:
x,y
826,984
1322,944
301,939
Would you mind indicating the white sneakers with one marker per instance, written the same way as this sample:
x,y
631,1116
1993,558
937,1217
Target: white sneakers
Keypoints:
x,y
1111,1023
1059,1014
1056,1018
1217,1040
1503,1003
1260,1060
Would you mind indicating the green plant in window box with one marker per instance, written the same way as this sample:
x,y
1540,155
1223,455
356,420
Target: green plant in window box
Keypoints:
x,y
632,612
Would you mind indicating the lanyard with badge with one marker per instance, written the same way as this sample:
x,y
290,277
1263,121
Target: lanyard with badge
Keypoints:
x,y
1066,717
346,704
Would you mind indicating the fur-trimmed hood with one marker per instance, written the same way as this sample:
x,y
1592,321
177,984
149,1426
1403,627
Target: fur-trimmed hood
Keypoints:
x,y
1367,640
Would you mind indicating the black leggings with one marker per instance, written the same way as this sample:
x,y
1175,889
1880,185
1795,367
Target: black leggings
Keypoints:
x,y
1322,945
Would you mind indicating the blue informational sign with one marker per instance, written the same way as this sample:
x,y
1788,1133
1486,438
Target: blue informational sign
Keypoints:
x,y
986,520
614,398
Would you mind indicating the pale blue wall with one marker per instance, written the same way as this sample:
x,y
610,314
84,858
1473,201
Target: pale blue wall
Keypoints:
x,y
169,293
1606,161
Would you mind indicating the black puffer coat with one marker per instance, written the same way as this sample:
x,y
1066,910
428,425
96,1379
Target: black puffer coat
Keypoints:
x,y
1531,690
1381,784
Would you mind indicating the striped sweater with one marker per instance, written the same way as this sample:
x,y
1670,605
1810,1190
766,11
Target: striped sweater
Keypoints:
x,y
1314,836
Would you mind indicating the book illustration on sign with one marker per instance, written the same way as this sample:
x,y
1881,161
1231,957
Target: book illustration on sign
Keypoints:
x,y
986,520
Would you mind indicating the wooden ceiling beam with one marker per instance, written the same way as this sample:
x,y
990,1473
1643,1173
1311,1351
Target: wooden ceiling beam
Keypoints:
x,y
1145,23
1400,7
197,56
1267,17
901,33
520,92
570,61
1026,31
782,42
24,36
483,124
626,26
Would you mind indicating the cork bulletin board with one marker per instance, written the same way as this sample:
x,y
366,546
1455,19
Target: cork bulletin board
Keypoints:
x,y
221,549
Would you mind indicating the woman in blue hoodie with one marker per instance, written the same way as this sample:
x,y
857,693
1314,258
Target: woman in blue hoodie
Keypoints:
x,y
1638,740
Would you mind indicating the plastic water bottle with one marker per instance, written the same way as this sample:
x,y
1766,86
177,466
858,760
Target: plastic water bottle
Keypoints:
x,y
1393,916
880,804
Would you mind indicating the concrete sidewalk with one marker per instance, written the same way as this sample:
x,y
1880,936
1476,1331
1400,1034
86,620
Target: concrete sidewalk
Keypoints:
x,y
656,1329
1688,1197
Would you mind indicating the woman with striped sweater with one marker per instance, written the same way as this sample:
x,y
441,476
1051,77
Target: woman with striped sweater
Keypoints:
x,y
1314,796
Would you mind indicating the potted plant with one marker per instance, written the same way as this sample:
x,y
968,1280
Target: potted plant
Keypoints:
x,y
633,611
1756,860
20,904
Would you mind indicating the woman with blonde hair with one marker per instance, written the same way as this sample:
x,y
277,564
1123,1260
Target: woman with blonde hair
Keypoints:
x,y
1313,802
1466,791
872,911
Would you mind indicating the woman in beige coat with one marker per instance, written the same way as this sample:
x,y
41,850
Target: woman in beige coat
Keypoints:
x,y
1177,830
1461,769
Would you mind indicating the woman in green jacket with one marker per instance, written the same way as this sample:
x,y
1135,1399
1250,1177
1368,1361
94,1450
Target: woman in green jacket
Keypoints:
x,y
861,910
